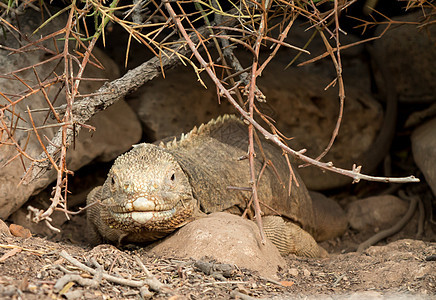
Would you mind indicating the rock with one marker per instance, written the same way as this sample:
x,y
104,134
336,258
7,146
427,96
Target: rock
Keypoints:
x,y
424,151
293,272
222,270
173,105
355,68
336,213
19,231
4,229
419,117
408,53
375,213
116,129
304,111
226,238
21,217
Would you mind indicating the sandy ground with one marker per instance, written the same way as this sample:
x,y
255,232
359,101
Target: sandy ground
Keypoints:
x,y
32,268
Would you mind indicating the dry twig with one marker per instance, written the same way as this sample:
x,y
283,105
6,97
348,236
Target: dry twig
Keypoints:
x,y
150,280
155,25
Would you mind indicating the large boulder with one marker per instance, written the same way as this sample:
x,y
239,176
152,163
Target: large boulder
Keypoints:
x,y
226,238
173,105
116,129
409,56
376,213
355,67
305,111
424,151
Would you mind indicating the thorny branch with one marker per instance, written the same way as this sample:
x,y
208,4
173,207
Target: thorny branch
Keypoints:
x,y
107,95
156,25
77,113
249,116
251,94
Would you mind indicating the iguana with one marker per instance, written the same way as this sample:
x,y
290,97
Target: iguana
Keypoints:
x,y
152,190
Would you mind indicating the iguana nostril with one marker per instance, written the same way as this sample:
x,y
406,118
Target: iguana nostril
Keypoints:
x,y
169,196
128,187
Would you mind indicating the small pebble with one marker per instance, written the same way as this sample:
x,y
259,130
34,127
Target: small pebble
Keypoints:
x,y
306,273
4,228
293,272
19,231
72,295
431,257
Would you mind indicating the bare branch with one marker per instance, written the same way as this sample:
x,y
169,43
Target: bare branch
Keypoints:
x,y
354,173
108,94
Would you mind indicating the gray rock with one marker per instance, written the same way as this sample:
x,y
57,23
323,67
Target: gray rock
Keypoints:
x,y
116,129
226,238
326,229
305,111
4,229
409,55
173,105
375,213
424,151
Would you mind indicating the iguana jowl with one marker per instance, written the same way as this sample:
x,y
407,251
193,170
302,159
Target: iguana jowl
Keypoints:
x,y
152,190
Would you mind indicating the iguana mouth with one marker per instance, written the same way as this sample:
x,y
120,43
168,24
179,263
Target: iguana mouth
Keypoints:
x,y
145,209
143,217
148,204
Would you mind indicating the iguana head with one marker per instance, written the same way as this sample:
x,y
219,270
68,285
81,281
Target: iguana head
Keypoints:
x,y
147,192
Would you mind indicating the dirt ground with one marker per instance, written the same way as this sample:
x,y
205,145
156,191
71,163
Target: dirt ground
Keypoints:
x,y
32,268
35,268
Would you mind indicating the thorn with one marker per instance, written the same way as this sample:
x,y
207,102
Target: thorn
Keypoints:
x,y
243,157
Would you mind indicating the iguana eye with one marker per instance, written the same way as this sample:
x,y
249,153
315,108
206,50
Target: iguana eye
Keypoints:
x,y
173,177
113,182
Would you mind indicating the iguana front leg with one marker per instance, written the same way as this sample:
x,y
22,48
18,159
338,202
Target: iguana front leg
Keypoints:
x,y
93,216
290,238
98,230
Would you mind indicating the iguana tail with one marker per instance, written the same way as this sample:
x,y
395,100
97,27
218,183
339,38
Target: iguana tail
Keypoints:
x,y
290,238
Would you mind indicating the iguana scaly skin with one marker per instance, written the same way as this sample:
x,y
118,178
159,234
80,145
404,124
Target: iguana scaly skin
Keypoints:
x,y
152,190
